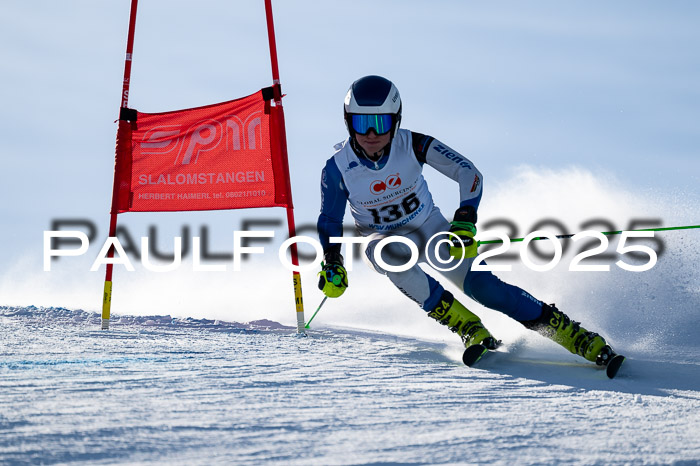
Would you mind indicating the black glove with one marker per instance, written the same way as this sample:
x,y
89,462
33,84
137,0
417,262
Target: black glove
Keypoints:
x,y
463,225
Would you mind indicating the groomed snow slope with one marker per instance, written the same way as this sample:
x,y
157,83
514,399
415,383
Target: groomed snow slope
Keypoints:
x,y
160,390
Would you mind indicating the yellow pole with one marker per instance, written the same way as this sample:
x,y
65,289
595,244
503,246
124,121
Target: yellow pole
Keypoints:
x,y
106,304
299,302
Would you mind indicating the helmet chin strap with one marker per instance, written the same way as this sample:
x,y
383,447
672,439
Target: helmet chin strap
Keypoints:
x,y
376,156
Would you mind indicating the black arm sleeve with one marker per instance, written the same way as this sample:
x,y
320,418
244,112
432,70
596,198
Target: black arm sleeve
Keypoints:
x,y
421,142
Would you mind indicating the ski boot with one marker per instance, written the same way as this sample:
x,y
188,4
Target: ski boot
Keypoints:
x,y
557,326
462,321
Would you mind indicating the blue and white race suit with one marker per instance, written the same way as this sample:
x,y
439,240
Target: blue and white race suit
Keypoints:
x,y
391,197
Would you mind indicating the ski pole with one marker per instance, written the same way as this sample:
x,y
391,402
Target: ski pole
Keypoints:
x,y
607,233
319,308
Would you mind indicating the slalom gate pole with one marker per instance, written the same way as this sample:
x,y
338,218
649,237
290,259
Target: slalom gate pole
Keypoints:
x,y
607,233
107,294
319,308
296,277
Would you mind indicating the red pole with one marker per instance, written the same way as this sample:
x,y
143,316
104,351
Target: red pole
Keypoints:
x,y
107,295
299,302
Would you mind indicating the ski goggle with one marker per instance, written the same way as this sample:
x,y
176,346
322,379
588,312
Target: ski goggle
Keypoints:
x,y
381,124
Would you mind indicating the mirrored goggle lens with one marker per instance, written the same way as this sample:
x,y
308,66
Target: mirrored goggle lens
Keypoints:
x,y
380,123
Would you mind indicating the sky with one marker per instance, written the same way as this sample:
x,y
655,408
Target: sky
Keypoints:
x,y
543,96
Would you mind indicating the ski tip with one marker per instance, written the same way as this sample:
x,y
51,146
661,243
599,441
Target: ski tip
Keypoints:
x,y
614,365
473,353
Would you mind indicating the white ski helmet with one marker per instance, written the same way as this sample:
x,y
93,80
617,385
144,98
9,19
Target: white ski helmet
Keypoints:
x,y
375,103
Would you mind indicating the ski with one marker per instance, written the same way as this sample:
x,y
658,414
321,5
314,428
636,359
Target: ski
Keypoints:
x,y
473,354
611,360
614,365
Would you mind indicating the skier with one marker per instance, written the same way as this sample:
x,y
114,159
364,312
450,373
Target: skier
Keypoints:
x,y
378,170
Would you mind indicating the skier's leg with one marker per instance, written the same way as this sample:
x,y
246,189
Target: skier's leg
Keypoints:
x,y
428,293
559,328
490,291
483,287
487,289
545,319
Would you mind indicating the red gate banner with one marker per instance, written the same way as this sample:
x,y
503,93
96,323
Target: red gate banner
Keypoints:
x,y
221,156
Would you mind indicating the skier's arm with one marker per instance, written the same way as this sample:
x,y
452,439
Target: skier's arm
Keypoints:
x,y
333,279
452,164
334,197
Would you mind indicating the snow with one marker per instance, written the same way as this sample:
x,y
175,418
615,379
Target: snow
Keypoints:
x,y
176,381
158,389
